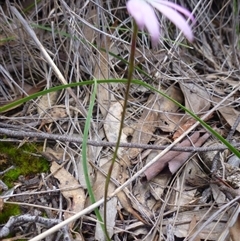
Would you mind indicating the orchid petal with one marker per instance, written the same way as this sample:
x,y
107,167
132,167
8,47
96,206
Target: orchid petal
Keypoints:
x,y
151,23
175,17
135,9
144,15
175,6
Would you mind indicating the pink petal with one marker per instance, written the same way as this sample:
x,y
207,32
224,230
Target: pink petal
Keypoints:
x,y
175,17
152,24
135,9
143,14
177,7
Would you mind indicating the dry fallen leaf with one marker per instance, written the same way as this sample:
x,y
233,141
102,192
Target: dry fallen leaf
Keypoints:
x,y
145,126
235,229
169,118
56,154
1,204
183,127
211,232
73,193
179,160
230,115
98,190
112,125
28,89
182,196
46,102
158,166
192,226
196,98
197,101
218,196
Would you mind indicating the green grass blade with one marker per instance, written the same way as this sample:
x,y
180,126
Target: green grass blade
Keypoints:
x,y
84,156
137,82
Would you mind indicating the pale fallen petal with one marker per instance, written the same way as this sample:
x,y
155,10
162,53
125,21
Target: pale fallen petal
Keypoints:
x,y
175,17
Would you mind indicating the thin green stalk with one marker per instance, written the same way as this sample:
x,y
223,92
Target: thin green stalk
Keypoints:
x,y
31,6
130,74
84,156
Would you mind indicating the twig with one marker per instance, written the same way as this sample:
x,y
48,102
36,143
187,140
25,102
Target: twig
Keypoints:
x,y
5,231
8,169
70,139
130,180
2,184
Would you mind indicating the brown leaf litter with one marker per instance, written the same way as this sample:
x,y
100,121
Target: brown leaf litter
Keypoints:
x,y
183,195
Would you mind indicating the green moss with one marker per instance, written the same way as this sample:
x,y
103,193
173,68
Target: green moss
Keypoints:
x,y
8,211
24,159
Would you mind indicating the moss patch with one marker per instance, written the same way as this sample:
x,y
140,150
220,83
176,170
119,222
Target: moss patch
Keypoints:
x,y
8,211
24,159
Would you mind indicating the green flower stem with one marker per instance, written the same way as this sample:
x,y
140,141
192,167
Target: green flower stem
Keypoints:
x,y
129,79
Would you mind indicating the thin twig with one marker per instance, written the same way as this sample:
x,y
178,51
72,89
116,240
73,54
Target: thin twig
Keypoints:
x,y
35,219
70,139
130,180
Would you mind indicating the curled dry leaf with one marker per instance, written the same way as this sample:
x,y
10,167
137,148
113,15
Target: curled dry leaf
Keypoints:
x,y
159,165
72,191
179,160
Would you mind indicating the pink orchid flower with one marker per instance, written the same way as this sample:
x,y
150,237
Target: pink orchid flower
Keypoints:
x,y
143,13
